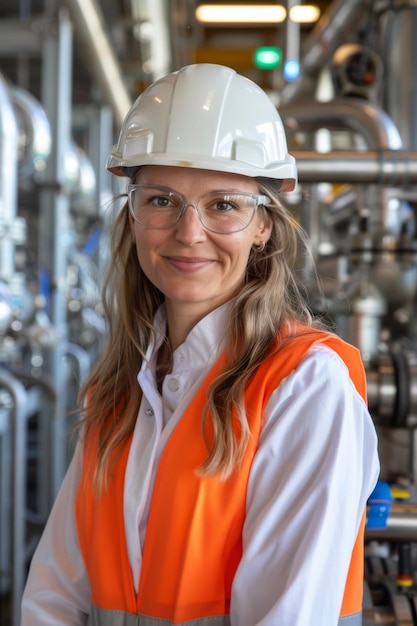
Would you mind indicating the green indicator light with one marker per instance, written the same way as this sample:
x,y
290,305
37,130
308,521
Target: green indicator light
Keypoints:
x,y
267,57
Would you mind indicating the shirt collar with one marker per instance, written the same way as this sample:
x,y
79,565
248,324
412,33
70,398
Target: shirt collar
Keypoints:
x,y
203,345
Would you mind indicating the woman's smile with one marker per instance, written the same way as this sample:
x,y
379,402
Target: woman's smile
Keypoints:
x,y
189,264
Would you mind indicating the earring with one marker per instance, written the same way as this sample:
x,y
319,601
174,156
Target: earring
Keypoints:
x,y
260,247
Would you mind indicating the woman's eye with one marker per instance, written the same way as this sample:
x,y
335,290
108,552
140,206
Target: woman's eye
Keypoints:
x,y
223,205
161,201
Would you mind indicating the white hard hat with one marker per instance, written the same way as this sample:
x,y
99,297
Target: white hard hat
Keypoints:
x,y
205,116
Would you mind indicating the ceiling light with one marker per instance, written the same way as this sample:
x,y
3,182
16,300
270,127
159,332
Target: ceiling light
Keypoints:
x,y
241,13
304,13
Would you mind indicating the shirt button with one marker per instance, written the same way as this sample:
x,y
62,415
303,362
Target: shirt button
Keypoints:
x,y
149,412
173,384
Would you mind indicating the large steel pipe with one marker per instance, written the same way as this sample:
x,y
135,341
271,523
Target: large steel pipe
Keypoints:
x,y
352,114
100,57
393,168
401,524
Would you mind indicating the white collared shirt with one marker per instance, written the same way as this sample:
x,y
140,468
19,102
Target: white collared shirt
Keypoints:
x,y
315,466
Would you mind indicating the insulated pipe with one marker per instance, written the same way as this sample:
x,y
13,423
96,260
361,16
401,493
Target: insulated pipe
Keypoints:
x,y
390,168
8,180
370,121
320,45
155,40
99,55
34,131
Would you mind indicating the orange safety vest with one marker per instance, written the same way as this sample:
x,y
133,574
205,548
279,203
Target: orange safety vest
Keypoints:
x,y
194,535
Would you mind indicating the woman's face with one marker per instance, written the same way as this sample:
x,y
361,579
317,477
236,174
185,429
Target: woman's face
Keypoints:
x,y
197,270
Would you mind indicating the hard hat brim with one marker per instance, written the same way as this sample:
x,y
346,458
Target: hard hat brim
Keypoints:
x,y
282,175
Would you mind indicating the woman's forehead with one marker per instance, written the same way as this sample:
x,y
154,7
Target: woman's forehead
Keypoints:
x,y
173,176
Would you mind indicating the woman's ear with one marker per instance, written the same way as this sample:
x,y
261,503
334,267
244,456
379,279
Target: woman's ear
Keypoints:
x,y
265,227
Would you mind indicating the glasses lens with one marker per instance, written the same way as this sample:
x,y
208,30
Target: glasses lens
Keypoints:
x,y
153,206
227,212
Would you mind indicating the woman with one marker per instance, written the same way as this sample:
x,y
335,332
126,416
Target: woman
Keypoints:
x,y
227,451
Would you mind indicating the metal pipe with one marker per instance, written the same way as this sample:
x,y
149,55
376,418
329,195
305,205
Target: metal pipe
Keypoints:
x,y
34,131
53,239
401,524
320,45
390,168
370,121
155,38
8,180
18,425
100,58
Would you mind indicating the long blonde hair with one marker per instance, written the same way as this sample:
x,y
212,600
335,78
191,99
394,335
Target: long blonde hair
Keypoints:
x,y
271,296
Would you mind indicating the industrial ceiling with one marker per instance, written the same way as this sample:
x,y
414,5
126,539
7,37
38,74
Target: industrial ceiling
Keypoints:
x,y
120,46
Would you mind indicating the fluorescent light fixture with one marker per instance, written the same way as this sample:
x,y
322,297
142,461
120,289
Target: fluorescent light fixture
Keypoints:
x,y
304,13
241,13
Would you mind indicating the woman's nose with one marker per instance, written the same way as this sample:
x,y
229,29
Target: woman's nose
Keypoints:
x,y
189,228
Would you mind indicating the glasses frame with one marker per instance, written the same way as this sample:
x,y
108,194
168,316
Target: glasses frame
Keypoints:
x,y
260,200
